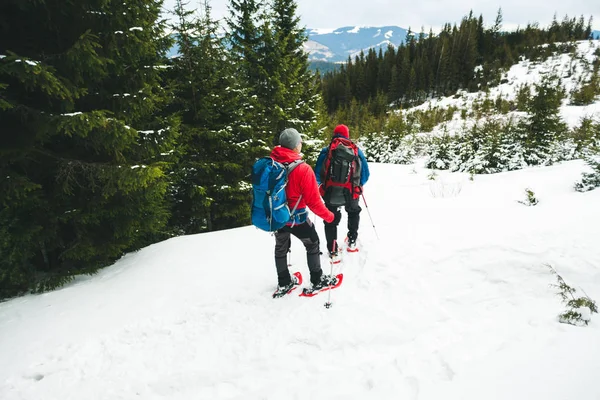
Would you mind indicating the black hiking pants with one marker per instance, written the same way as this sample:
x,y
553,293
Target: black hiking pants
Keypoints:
x,y
353,210
307,233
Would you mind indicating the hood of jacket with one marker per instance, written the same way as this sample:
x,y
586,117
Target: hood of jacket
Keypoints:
x,y
284,155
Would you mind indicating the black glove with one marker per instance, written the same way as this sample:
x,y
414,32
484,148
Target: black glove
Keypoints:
x,y
337,217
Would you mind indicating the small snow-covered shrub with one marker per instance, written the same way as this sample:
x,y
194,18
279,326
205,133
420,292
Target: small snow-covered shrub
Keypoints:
x,y
427,119
440,152
588,90
530,199
485,148
579,309
384,149
584,95
590,180
585,135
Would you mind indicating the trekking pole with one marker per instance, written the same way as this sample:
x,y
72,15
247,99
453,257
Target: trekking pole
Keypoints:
x,y
369,212
328,303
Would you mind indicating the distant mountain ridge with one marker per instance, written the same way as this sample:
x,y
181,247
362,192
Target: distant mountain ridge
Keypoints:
x,y
335,46
348,41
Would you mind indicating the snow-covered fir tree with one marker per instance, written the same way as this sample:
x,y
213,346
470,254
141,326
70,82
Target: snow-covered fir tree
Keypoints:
x,y
213,153
266,42
543,126
298,103
591,179
83,179
245,41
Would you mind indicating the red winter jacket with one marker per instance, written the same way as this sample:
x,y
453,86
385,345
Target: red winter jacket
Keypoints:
x,y
302,181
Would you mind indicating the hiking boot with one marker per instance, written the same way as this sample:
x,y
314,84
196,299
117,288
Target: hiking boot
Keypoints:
x,y
335,257
283,290
351,245
326,280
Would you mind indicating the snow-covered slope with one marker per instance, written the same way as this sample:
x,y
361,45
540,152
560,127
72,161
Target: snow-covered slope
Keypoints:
x,y
568,67
453,302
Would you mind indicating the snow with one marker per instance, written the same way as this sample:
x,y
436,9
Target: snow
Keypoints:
x,y
356,52
573,115
318,50
136,28
2,56
530,73
28,62
453,302
322,31
389,34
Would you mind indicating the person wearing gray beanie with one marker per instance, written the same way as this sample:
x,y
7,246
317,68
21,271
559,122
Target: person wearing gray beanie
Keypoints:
x,y
302,193
290,138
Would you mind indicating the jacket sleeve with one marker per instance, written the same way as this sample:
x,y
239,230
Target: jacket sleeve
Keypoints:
x,y
364,170
319,164
310,192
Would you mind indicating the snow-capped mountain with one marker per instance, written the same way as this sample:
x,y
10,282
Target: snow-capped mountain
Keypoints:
x,y
336,45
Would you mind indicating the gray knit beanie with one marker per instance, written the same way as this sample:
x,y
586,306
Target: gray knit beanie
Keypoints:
x,y
289,138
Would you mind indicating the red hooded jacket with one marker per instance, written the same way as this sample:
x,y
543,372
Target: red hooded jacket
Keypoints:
x,y
302,181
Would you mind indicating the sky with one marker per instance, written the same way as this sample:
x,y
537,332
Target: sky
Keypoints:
x,y
332,14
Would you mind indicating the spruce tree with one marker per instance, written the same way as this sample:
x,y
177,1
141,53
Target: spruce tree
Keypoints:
x,y
245,41
298,98
213,156
82,136
543,125
590,180
267,48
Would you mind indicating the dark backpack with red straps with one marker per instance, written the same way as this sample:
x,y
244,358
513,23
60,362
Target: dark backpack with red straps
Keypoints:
x,y
340,172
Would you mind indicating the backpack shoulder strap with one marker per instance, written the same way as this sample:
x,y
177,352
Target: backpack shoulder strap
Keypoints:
x,y
290,167
346,141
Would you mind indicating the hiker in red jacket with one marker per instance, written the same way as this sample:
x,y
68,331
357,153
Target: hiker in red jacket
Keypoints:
x,y
301,189
336,195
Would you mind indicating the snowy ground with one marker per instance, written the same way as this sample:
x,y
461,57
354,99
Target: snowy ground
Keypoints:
x,y
453,302
572,69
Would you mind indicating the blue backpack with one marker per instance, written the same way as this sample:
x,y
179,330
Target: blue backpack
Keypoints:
x,y
270,210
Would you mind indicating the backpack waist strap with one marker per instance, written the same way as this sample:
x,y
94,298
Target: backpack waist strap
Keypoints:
x,y
299,217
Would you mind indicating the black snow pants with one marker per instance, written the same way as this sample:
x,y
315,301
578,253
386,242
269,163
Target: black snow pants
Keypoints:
x,y
307,233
